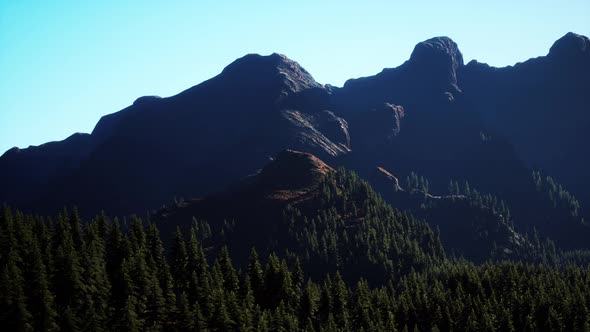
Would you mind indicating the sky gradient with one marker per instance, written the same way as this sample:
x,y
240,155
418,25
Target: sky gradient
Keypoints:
x,y
64,64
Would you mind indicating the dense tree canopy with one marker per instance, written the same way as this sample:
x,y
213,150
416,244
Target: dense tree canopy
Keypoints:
x,y
107,275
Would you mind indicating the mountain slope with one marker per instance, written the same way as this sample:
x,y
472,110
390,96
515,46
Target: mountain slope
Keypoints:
x,y
334,220
541,106
433,115
299,205
195,142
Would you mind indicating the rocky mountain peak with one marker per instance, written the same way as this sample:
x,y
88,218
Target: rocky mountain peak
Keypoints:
x,y
440,56
275,68
438,49
570,46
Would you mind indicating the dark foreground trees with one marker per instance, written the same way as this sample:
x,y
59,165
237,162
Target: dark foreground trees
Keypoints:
x,y
107,276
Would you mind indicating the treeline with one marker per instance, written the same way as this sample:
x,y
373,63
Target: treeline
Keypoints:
x,y
65,275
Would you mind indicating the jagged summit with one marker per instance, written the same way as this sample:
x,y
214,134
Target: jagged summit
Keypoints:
x,y
276,67
440,56
262,82
429,76
571,45
438,47
292,170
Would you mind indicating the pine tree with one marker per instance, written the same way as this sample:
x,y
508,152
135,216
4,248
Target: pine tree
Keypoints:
x,y
361,306
68,282
255,274
309,303
157,311
220,318
200,321
179,261
270,296
330,324
158,265
308,326
287,293
129,319
298,275
127,316
102,226
141,281
326,302
13,310
340,302
76,228
472,324
248,303
263,323
116,254
230,278
96,279
186,320
41,301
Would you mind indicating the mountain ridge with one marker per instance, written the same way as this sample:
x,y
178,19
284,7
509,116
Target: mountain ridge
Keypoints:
x,y
433,115
564,45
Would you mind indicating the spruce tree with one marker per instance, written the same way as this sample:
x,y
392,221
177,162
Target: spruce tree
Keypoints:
x,y
255,274
179,261
186,320
13,310
159,266
230,278
340,302
41,302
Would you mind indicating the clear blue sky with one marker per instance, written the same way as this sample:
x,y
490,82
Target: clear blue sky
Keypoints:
x,y
65,64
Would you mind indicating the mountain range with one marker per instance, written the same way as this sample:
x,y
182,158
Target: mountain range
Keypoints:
x,y
492,154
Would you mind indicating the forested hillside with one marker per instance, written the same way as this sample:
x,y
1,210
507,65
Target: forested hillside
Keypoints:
x,y
105,275
298,247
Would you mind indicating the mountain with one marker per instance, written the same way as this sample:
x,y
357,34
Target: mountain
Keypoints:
x,y
489,129
157,148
